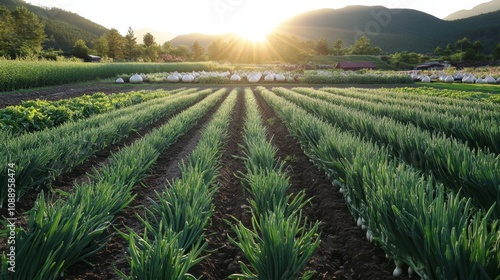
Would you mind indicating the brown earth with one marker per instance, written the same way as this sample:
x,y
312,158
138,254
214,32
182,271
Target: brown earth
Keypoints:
x,y
344,252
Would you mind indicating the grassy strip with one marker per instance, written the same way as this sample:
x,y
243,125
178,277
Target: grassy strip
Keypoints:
x,y
414,219
175,223
66,232
280,242
71,144
473,174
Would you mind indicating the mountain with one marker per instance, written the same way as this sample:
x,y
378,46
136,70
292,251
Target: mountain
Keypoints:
x,y
392,29
160,36
493,5
63,28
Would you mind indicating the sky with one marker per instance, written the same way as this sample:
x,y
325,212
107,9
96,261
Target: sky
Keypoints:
x,y
251,18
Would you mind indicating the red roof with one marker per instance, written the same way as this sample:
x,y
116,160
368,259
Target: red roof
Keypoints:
x,y
351,65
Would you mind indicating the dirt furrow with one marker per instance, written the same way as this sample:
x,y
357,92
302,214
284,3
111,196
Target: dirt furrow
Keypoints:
x,y
230,201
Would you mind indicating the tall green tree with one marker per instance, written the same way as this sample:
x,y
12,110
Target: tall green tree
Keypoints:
x,y
25,33
496,52
130,45
364,46
101,46
216,50
148,40
80,49
182,51
198,51
7,31
115,44
338,47
322,47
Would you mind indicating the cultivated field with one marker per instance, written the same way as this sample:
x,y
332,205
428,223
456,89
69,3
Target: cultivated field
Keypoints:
x,y
218,182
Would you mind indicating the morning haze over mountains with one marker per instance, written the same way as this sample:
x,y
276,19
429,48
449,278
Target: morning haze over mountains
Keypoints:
x,y
391,29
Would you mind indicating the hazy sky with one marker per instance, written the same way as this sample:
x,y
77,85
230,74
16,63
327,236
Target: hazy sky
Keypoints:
x,y
220,16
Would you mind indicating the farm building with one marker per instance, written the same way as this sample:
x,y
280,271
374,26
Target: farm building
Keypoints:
x,y
432,66
355,65
92,58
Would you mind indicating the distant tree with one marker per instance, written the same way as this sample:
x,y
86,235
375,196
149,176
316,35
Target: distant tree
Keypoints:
x,y
28,35
293,51
80,49
477,46
115,44
130,45
215,50
496,52
338,47
309,45
198,51
322,47
463,44
100,46
438,51
182,51
404,58
148,40
167,48
7,31
364,46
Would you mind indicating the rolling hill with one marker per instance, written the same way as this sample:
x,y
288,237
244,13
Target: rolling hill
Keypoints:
x,y
493,5
392,29
63,28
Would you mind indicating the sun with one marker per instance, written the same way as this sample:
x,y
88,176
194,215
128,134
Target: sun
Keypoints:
x,y
255,33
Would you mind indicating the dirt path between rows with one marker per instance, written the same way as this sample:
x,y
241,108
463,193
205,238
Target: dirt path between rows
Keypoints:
x,y
230,201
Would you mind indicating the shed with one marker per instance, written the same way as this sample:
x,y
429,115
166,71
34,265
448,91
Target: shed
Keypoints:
x,y
355,65
92,58
432,66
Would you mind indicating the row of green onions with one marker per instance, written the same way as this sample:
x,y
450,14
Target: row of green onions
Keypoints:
x,y
173,237
452,107
42,156
480,134
63,233
473,174
280,241
417,222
